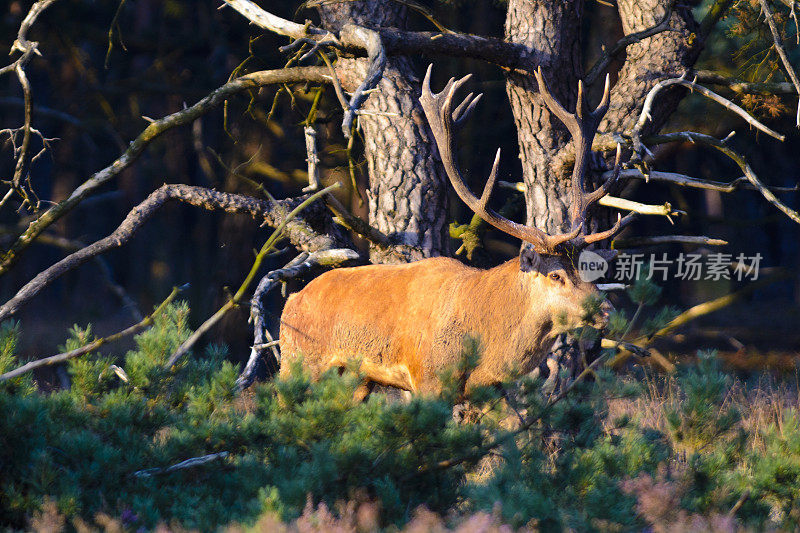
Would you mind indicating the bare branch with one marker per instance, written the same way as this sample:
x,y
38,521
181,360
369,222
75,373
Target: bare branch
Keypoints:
x,y
188,463
274,214
512,56
736,157
312,158
665,209
620,46
71,245
153,131
644,117
300,265
687,181
184,348
377,64
637,242
782,53
743,87
614,202
273,23
94,345
27,49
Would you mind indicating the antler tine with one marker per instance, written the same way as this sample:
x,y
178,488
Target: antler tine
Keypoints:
x,y
438,110
552,104
602,107
621,223
459,115
487,189
580,105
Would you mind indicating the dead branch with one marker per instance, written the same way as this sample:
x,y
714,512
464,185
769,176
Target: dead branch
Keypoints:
x,y
665,209
26,49
94,345
274,214
312,158
614,202
397,42
154,130
743,87
645,116
737,158
299,266
687,181
782,54
184,348
608,55
377,64
72,245
188,463
637,242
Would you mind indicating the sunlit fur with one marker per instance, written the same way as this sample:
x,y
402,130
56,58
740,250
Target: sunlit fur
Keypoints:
x,y
408,322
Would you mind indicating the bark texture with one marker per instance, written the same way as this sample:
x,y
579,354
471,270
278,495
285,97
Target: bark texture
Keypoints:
x,y
551,31
407,192
661,56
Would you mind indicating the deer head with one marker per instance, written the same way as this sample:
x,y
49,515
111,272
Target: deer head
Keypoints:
x,y
546,261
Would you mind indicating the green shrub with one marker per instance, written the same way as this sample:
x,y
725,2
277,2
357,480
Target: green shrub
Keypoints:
x,y
674,451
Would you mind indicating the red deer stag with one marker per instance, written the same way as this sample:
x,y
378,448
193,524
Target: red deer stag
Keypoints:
x,y
407,322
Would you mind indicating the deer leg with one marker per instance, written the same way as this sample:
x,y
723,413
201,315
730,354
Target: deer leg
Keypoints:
x,y
389,375
363,391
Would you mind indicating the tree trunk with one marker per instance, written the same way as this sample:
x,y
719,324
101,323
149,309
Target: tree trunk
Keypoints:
x,y
661,56
551,29
407,192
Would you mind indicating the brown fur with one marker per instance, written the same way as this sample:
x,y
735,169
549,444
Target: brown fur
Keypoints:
x,y
408,322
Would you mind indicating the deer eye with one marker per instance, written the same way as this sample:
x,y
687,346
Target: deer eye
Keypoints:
x,y
554,276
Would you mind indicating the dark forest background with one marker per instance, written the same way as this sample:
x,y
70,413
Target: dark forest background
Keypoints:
x,y
106,66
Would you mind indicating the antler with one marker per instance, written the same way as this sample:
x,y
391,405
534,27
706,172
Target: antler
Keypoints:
x,y
443,120
583,125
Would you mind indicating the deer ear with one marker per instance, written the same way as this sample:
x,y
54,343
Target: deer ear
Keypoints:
x,y
529,259
608,255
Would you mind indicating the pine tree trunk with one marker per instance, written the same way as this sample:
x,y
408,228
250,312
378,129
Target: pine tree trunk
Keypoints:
x,y
407,192
661,56
551,29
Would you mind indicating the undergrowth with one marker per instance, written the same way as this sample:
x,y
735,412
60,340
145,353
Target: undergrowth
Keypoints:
x,y
615,454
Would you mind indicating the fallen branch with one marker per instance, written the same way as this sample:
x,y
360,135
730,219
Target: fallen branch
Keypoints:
x,y
300,233
188,463
300,265
95,344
